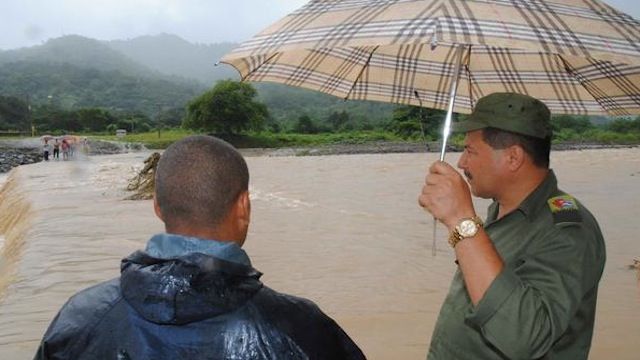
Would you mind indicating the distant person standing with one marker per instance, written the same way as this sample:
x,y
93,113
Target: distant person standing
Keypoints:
x,y
46,149
56,149
65,149
84,147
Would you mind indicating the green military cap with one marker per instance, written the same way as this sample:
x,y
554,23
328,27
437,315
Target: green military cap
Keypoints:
x,y
512,112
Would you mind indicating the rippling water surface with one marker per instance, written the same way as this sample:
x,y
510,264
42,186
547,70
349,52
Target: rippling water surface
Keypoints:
x,y
344,231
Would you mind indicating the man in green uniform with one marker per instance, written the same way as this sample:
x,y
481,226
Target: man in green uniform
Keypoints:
x,y
527,281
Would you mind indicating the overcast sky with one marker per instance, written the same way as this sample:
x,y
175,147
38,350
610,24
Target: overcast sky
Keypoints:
x,y
31,22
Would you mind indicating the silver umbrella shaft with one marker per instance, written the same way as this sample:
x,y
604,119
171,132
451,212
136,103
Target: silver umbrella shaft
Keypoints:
x,y
452,100
447,124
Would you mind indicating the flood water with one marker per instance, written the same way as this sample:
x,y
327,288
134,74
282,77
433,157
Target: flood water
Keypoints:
x,y
344,231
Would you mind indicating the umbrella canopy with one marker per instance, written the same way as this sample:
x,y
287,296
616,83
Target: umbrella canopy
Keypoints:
x,y
70,138
577,56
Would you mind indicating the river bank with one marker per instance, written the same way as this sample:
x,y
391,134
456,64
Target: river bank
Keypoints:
x,y
386,147
20,152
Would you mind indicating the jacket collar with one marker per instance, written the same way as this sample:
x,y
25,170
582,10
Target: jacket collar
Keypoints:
x,y
185,289
171,246
533,201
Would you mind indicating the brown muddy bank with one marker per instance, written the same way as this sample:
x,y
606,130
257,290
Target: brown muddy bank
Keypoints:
x,y
386,147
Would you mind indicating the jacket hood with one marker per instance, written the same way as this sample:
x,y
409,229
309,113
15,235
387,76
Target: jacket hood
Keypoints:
x,y
185,289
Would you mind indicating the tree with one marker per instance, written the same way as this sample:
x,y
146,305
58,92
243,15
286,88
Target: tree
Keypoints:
x,y
305,125
406,121
134,122
338,120
172,117
624,125
94,119
228,108
579,124
14,113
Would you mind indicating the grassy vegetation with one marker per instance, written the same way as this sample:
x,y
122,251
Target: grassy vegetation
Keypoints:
x,y
153,140
277,140
597,136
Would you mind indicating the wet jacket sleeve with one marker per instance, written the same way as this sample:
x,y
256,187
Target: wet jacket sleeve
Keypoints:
x,y
345,347
70,330
531,302
317,334
60,338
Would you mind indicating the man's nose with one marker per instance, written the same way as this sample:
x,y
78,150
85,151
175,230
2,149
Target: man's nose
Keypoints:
x,y
462,162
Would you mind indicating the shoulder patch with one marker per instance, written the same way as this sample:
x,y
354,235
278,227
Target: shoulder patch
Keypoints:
x,y
564,208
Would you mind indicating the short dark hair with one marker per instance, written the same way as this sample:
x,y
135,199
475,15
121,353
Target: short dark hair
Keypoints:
x,y
537,148
198,179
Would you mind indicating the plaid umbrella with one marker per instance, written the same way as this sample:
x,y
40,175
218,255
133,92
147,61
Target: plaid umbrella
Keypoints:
x,y
577,56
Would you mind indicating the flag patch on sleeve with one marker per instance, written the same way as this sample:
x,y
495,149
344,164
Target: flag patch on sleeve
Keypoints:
x,y
564,208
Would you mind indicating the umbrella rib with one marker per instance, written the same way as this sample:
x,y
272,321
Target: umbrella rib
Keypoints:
x,y
469,78
259,66
589,88
361,71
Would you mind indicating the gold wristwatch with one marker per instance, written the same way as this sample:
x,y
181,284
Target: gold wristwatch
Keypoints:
x,y
466,228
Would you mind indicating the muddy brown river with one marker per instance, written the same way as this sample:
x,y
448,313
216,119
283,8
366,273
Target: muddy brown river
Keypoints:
x,y
344,231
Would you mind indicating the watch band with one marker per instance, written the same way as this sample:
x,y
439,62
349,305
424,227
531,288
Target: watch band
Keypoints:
x,y
455,237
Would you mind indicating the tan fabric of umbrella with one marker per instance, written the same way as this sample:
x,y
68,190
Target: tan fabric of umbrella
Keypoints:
x,y
578,56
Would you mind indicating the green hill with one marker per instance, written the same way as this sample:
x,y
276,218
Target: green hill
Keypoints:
x,y
70,86
152,72
172,55
76,72
79,51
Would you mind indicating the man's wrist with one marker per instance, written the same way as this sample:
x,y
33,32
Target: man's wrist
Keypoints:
x,y
455,220
466,228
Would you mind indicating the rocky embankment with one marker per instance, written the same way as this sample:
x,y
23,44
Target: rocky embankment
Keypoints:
x,y
12,157
21,152
385,147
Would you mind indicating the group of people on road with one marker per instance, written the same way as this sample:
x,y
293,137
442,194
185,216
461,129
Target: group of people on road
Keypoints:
x,y
67,147
525,287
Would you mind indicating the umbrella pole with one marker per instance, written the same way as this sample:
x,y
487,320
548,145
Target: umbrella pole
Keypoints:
x,y
452,100
447,124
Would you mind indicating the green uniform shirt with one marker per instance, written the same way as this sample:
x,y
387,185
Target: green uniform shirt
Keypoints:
x,y
542,305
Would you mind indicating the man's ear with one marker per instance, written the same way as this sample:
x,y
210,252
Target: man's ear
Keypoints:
x,y
156,208
515,157
243,208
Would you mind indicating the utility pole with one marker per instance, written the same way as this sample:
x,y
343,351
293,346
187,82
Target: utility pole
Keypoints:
x,y
158,124
30,117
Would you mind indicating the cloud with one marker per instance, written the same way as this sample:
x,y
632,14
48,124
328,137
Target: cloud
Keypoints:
x,y
27,22
33,32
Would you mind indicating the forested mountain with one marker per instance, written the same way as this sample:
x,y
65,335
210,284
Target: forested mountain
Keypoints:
x,y
72,87
152,72
77,72
172,55
79,51
286,104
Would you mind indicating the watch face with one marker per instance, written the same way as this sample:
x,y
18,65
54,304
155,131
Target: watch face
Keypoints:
x,y
468,228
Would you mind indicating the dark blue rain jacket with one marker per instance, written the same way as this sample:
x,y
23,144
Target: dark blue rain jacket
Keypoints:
x,y
191,307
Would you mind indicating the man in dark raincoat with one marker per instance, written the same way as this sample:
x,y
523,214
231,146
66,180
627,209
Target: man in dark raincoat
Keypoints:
x,y
193,294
